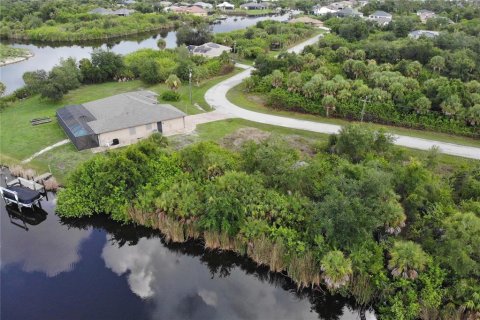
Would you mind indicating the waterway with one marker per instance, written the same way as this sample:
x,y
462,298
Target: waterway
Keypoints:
x,y
48,55
54,268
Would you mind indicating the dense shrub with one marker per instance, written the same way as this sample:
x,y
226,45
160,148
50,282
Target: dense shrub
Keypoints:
x,y
362,219
170,96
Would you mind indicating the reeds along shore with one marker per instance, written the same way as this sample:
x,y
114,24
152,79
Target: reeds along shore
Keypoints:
x,y
303,270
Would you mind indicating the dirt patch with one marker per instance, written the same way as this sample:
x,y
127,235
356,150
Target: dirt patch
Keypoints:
x,y
256,99
238,138
180,141
304,145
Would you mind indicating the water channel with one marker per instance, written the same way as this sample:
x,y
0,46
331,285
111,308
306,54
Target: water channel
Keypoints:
x,y
54,268
48,55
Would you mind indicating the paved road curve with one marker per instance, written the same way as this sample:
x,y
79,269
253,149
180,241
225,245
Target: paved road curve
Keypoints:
x,y
217,99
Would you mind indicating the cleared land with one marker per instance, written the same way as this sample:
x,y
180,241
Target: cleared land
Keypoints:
x,y
256,102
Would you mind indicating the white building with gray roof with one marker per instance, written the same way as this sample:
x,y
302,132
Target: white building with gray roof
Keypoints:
x,y
423,33
121,120
209,49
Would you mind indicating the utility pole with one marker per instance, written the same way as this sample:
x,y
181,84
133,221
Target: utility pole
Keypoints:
x,y
190,83
365,100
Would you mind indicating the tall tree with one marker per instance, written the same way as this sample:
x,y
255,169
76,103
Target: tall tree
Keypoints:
x,y
407,259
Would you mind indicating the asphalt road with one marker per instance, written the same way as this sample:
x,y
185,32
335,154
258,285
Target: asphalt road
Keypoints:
x,y
217,99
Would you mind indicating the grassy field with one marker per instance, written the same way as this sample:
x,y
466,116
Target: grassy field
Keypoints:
x,y
198,94
20,140
215,131
7,52
255,102
60,161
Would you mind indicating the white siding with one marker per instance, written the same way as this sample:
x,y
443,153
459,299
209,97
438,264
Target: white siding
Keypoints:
x,y
126,136
170,126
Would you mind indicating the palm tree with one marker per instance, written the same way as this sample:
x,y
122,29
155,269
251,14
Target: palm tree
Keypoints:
x,y
173,82
161,44
437,63
451,106
337,269
407,259
277,78
473,115
329,103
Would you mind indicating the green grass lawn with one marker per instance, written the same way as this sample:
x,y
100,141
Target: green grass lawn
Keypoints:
x,y
198,93
7,52
215,131
20,139
255,102
60,161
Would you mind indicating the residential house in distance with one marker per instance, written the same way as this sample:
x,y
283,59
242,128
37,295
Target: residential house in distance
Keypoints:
x,y
308,20
348,13
204,5
424,15
119,120
225,6
193,10
423,33
322,10
120,12
382,18
341,5
164,4
254,6
209,49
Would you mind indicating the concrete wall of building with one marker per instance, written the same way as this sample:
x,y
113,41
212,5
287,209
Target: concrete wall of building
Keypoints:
x,y
132,135
170,126
128,135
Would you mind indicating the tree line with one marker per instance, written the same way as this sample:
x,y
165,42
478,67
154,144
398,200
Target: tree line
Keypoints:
x,y
70,21
149,65
424,83
359,218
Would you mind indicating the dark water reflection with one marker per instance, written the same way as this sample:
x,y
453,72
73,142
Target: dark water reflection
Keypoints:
x,y
97,269
48,55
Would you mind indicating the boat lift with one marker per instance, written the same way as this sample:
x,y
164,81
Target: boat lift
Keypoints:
x,y
23,193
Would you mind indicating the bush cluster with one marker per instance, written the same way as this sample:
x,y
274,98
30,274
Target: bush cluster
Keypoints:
x,y
360,218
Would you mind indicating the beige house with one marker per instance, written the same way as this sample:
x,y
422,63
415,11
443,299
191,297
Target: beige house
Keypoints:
x,y
193,10
209,49
119,120
308,20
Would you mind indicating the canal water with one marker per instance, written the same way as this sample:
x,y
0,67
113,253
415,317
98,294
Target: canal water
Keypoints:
x,y
48,55
54,268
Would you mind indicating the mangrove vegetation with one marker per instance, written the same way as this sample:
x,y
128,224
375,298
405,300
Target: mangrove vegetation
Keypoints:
x,y
363,71
73,21
358,217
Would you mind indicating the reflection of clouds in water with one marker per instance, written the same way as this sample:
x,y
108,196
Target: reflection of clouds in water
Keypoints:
x,y
181,287
48,247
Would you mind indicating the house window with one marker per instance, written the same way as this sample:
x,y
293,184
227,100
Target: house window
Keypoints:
x,y
148,127
133,131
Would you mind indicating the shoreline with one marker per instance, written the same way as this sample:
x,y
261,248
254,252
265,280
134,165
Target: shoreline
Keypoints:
x,y
13,60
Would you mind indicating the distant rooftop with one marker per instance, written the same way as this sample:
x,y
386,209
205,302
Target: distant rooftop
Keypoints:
x,y
381,14
209,49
